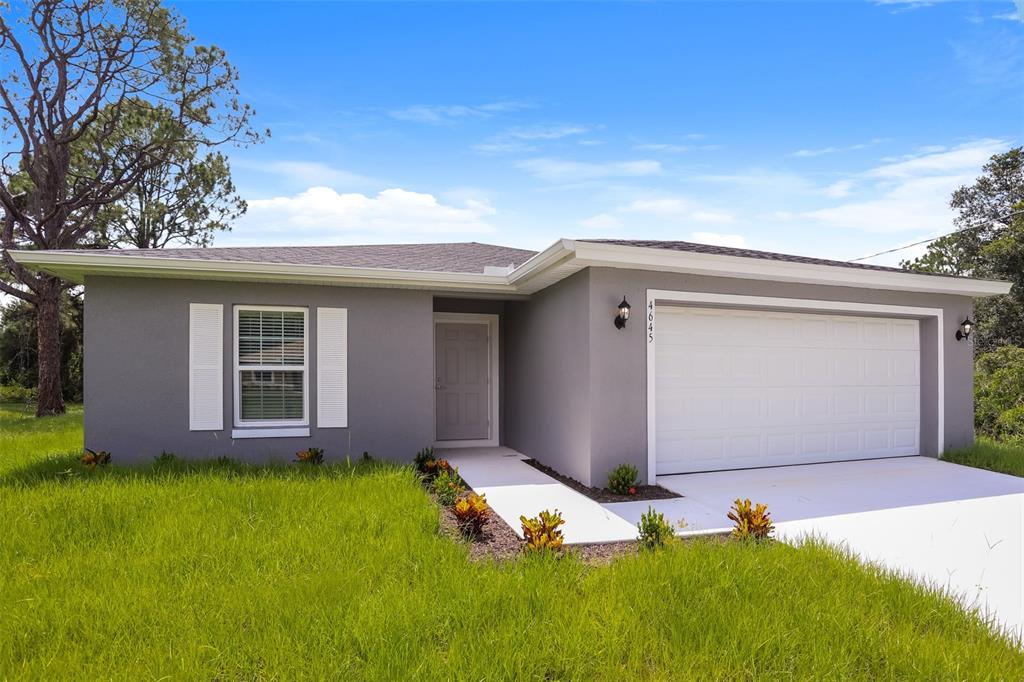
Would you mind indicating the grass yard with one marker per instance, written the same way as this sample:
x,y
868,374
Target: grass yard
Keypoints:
x,y
221,571
988,454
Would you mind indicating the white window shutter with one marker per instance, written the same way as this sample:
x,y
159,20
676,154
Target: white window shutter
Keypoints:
x,y
205,367
332,367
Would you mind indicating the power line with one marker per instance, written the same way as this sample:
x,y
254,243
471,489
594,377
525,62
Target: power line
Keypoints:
x,y
1011,214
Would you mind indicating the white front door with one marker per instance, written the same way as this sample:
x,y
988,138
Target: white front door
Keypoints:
x,y
738,389
462,380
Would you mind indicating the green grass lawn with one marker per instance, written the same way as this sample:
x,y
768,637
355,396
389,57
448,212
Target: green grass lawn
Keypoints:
x,y
221,571
988,454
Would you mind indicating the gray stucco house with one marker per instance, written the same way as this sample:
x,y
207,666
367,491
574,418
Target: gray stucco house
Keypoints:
x,y
729,359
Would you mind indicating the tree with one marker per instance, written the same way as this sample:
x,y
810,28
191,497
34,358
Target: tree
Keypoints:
x,y
83,75
989,244
18,345
185,200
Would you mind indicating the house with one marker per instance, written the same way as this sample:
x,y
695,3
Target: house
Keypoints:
x,y
729,358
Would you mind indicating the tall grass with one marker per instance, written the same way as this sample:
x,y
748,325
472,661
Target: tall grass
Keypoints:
x,y
1006,458
226,571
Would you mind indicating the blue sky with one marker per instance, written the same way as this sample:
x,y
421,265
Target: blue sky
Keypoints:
x,y
828,129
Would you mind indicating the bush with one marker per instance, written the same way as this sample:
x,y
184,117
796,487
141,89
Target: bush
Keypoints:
x,y
164,458
447,485
95,458
422,457
17,394
472,512
655,530
998,389
541,532
310,456
623,479
1010,425
752,522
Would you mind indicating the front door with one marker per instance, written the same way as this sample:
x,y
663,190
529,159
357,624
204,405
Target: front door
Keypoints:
x,y
462,380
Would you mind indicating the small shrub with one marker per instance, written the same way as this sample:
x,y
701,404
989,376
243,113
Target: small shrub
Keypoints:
x,y
752,522
95,458
655,530
472,512
165,458
541,532
623,479
1009,425
422,457
17,394
310,456
447,486
367,457
998,389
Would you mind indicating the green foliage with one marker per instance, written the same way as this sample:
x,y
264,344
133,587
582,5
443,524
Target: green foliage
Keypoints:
x,y
541,532
447,485
655,530
623,479
165,458
423,460
310,456
1006,458
19,355
999,391
95,458
752,522
990,215
471,513
225,567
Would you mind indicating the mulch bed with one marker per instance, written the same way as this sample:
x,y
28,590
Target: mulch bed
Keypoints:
x,y
498,541
643,492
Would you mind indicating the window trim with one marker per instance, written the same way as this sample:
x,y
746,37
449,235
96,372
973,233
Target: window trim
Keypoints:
x,y
279,423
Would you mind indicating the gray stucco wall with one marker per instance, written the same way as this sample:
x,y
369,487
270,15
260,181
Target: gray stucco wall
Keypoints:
x,y
548,356
618,358
136,369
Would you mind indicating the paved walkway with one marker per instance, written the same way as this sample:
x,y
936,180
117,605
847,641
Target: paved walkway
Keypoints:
x,y
515,489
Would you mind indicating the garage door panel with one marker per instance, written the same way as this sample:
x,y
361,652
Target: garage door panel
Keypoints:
x,y
774,388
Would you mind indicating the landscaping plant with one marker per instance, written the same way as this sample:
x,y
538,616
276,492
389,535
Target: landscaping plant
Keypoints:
x,y
541,532
751,521
310,456
623,479
447,485
422,458
93,458
655,530
472,512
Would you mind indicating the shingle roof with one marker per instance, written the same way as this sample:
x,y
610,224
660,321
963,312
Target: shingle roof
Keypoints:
x,y
732,251
464,257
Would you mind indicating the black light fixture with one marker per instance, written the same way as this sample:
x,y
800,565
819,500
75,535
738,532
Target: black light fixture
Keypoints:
x,y
964,332
620,319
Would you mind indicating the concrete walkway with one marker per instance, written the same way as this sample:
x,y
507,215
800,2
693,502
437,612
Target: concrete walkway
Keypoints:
x,y
515,489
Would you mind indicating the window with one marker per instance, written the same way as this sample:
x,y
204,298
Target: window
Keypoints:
x,y
270,366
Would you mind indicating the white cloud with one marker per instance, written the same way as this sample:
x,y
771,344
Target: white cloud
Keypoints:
x,y
678,208
810,153
912,194
736,241
520,139
322,215
968,156
558,170
309,173
601,222
1016,15
662,147
838,190
439,114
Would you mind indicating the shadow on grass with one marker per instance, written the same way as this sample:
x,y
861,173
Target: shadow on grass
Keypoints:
x,y
66,468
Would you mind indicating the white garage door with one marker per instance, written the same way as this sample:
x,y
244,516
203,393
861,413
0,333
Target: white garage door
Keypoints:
x,y
737,389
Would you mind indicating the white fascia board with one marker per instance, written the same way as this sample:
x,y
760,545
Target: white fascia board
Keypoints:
x,y
715,265
74,267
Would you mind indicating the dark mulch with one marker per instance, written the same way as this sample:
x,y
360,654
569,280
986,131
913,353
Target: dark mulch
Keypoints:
x,y
498,541
643,492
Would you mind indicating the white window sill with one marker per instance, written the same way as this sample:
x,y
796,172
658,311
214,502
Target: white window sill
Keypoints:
x,y
271,433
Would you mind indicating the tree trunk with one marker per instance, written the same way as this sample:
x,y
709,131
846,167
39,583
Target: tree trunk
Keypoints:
x,y
51,398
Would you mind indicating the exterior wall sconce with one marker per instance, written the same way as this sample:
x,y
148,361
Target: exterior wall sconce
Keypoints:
x,y
620,319
964,332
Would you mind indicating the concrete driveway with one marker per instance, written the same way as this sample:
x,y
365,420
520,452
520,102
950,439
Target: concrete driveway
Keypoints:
x,y
949,525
